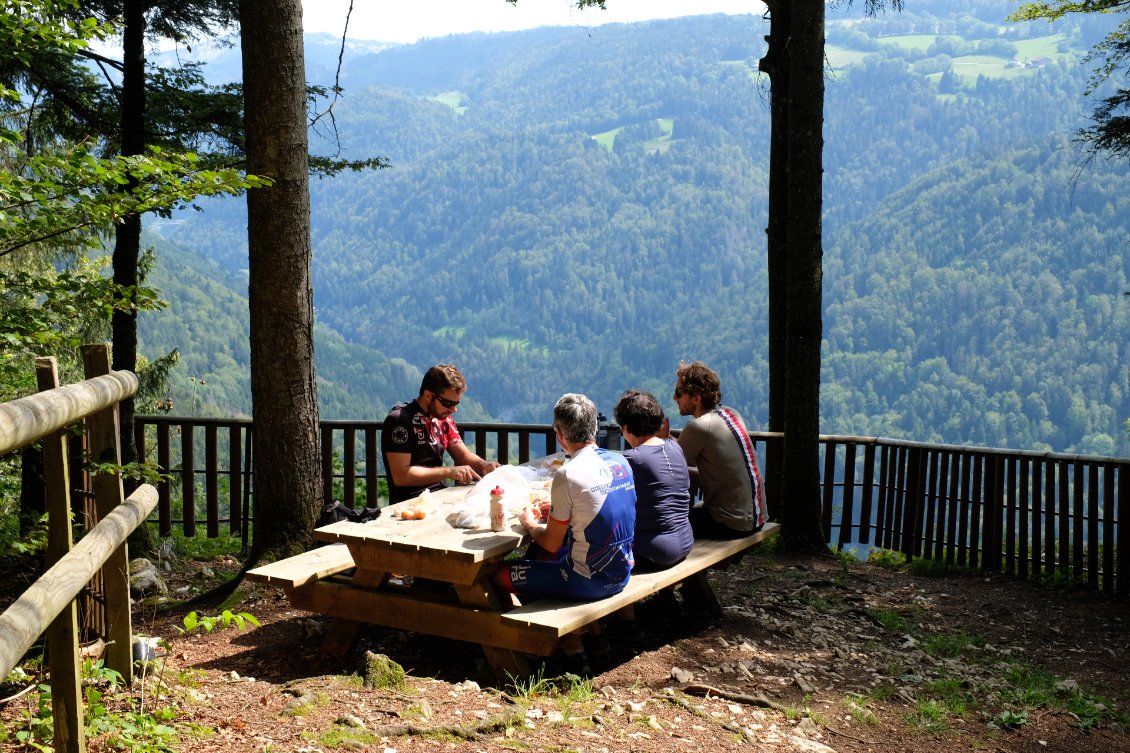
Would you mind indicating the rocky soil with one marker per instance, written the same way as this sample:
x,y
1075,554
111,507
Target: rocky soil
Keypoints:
x,y
812,654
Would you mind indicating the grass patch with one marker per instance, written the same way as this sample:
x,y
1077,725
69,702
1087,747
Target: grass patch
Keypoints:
x,y
450,332
607,139
880,693
845,557
892,621
929,716
750,71
342,736
950,645
953,693
1093,711
1006,701
661,143
452,99
565,693
566,689
203,548
1030,687
1045,47
1063,578
857,708
887,558
112,714
521,345
842,57
969,67
930,568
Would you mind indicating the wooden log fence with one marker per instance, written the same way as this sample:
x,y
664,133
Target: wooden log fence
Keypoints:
x,y
1049,515
48,606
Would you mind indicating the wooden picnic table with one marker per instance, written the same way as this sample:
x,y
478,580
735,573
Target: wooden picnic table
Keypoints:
x,y
432,576
390,556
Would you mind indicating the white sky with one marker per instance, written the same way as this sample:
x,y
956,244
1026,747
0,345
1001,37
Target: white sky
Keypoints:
x,y
411,20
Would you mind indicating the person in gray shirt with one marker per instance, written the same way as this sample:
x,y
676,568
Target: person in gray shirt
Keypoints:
x,y
721,458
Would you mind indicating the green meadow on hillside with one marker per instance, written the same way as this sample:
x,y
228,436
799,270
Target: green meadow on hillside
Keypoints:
x,y
657,145
842,57
454,100
967,67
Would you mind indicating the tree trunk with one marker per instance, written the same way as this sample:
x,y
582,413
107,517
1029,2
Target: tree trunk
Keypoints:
x,y
775,65
800,514
287,486
127,235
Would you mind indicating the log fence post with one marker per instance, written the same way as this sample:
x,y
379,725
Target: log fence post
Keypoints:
x,y
62,634
103,441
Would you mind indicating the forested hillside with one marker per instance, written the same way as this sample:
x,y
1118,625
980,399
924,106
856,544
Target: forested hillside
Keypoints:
x,y
579,209
208,325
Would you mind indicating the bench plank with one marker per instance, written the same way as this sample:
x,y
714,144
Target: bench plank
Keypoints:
x,y
432,615
557,617
304,568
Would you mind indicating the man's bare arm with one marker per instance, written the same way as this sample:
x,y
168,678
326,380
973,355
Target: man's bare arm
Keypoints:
x,y
462,455
405,474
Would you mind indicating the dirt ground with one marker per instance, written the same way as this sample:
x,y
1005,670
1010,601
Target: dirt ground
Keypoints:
x,y
812,654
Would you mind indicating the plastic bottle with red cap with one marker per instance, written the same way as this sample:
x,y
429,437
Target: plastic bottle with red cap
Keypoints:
x,y
497,509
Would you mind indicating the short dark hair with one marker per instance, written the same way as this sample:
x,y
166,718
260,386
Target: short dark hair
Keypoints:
x,y
443,376
699,379
639,412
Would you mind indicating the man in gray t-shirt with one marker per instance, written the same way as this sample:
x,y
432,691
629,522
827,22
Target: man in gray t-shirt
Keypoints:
x,y
721,457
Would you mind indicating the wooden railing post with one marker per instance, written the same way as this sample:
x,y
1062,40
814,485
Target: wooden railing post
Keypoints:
x,y
62,634
103,441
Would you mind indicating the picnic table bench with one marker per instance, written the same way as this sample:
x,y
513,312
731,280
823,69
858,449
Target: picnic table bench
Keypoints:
x,y
360,579
558,617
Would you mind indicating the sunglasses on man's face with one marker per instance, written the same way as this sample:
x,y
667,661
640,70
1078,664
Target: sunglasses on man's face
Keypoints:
x,y
445,402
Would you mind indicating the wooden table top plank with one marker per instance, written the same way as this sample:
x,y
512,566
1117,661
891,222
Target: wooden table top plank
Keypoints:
x,y
436,537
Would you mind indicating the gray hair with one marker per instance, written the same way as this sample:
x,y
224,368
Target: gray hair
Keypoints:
x,y
575,417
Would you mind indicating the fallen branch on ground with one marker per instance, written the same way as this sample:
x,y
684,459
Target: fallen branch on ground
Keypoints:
x,y
728,726
751,700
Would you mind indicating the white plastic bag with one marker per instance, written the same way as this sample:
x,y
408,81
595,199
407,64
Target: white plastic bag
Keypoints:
x,y
474,510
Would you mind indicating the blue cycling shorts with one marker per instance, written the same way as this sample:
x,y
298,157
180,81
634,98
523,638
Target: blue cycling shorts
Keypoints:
x,y
556,578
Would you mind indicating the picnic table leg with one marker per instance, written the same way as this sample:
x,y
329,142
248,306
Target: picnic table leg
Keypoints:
x,y
342,633
503,661
697,594
339,638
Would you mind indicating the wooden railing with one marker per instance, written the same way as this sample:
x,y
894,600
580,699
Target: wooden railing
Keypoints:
x,y
49,605
218,490
1024,513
